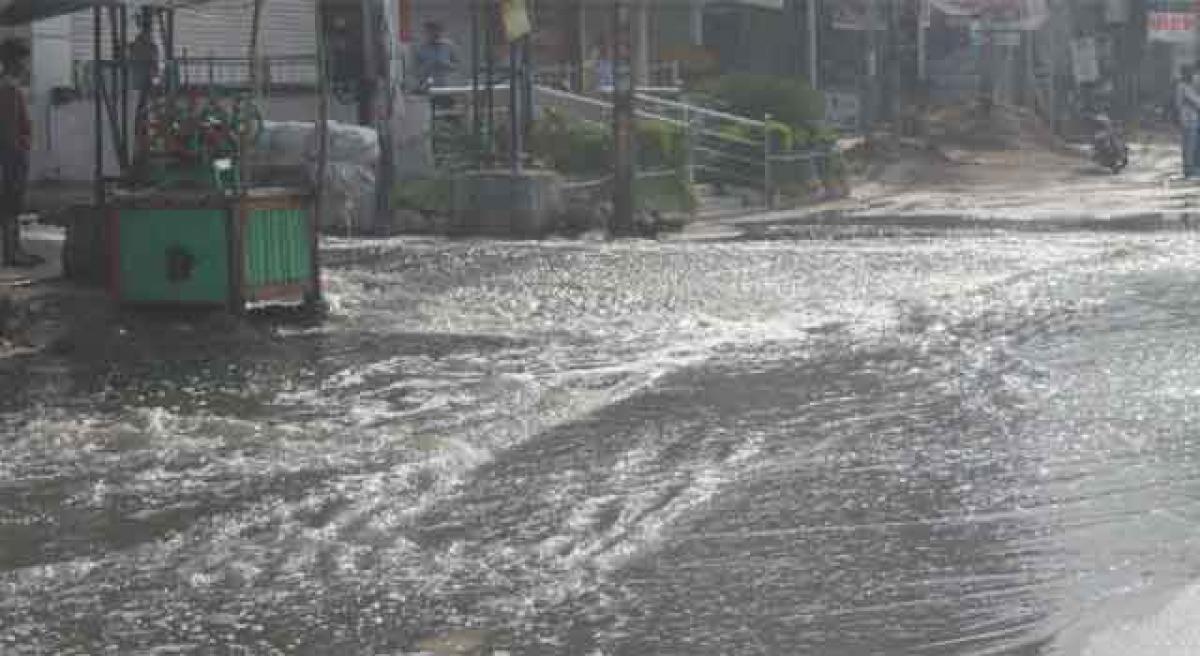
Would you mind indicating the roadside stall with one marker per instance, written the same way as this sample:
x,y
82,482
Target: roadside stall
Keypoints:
x,y
185,222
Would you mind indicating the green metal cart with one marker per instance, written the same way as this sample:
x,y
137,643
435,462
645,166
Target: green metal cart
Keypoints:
x,y
194,248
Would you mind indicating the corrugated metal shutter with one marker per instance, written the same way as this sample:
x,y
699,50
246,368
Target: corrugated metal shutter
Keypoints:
x,y
221,28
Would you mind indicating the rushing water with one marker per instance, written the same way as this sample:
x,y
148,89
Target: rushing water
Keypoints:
x,y
948,444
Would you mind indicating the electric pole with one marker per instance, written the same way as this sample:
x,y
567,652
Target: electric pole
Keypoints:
x,y
623,138
814,62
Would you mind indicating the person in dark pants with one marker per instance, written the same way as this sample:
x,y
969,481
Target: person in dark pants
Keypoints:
x,y
15,140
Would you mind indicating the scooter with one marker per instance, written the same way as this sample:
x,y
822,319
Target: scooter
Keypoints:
x,y
1108,146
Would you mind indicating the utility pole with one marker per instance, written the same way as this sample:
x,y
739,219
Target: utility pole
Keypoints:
x,y
623,144
814,31
873,95
922,43
516,72
366,91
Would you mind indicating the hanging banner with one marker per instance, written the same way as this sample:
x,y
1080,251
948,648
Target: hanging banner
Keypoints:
x,y
1001,15
764,4
1171,21
515,15
1117,12
854,15
1085,60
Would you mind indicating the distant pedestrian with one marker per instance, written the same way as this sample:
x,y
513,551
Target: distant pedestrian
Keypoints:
x,y
602,75
16,134
143,54
437,57
143,68
1187,102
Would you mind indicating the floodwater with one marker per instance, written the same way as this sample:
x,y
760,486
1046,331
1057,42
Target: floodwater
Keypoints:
x,y
930,444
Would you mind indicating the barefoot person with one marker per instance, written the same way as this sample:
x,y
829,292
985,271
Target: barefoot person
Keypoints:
x,y
15,138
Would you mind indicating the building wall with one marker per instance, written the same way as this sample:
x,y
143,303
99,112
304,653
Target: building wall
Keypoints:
x,y
221,28
71,130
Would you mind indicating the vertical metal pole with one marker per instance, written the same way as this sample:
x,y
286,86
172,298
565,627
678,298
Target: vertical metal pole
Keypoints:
x,y
623,137
97,82
514,106
922,42
872,66
489,41
244,137
642,50
689,145
527,82
366,96
170,45
476,113
580,51
385,103
768,183
124,59
322,134
814,62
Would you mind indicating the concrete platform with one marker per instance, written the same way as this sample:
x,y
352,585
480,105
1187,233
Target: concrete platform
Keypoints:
x,y
44,241
506,204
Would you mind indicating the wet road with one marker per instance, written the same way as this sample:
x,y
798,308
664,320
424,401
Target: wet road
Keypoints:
x,y
940,444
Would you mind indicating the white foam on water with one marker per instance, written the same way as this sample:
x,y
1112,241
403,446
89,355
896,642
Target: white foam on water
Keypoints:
x,y
1173,630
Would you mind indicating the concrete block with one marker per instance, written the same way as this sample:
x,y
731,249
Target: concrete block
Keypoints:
x,y
502,203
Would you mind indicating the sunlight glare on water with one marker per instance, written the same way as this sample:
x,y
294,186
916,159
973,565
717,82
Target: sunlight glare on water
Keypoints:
x,y
907,444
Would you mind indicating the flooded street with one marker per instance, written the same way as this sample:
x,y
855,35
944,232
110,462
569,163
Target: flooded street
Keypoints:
x,y
951,443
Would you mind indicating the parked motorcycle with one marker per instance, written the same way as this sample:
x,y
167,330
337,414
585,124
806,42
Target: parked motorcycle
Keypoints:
x,y
1109,149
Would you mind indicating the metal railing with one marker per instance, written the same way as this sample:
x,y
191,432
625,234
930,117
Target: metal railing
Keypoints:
x,y
725,149
281,73
720,148
276,73
666,75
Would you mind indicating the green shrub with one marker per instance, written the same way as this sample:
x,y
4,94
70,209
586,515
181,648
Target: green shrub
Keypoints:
x,y
571,146
423,195
660,145
582,148
664,193
788,100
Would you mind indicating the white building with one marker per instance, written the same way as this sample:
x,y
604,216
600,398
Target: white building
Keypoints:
x,y
62,47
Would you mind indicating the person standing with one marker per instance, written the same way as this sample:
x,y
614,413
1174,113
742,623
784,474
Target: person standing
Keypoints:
x,y
437,57
15,140
1187,103
143,65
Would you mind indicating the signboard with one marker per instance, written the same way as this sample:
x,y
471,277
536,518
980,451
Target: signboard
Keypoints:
x,y
515,14
1171,21
1006,39
854,15
1085,61
1002,15
843,110
765,4
1117,12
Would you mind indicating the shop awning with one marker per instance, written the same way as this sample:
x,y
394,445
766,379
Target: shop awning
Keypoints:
x,y
22,12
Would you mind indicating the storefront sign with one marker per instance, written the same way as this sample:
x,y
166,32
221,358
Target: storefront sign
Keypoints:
x,y
515,14
854,15
1000,15
1172,21
842,110
1085,60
